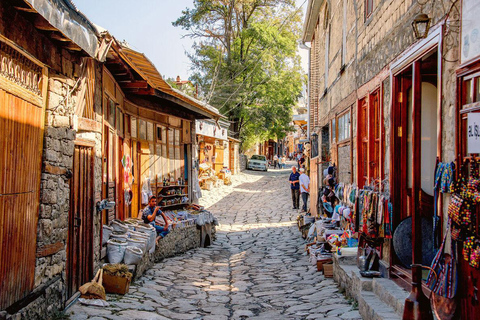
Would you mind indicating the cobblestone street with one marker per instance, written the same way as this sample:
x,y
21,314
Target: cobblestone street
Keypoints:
x,y
256,268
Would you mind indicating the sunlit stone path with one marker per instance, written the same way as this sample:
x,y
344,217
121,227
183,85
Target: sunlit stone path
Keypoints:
x,y
256,269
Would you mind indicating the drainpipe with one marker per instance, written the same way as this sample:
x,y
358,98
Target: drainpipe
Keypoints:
x,y
303,46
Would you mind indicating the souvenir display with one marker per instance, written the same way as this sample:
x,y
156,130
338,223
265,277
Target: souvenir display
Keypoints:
x,y
462,209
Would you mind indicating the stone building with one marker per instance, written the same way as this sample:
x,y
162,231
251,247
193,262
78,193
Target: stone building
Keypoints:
x,y
74,103
383,102
43,46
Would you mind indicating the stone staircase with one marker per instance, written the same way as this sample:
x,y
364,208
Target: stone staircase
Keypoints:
x,y
377,298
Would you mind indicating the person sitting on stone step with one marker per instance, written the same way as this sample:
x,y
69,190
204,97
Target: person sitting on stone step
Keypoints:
x,y
150,213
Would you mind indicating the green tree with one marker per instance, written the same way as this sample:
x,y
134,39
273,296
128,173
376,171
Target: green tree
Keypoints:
x,y
245,62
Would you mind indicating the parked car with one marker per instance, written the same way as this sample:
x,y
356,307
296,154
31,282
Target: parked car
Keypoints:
x,y
257,162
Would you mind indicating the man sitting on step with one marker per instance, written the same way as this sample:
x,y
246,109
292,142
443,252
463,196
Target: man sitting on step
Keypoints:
x,y
150,213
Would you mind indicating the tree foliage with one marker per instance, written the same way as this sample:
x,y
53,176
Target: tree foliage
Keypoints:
x,y
245,62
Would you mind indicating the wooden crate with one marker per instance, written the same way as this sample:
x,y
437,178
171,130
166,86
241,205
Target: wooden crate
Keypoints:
x,y
114,284
328,270
322,262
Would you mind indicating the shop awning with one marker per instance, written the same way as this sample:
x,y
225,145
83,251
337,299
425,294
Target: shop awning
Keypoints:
x,y
65,23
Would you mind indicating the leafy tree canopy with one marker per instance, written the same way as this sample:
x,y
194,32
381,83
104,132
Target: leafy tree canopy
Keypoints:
x,y
245,62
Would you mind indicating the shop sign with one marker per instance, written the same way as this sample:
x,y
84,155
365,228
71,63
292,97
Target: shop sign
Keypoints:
x,y
470,47
210,129
473,133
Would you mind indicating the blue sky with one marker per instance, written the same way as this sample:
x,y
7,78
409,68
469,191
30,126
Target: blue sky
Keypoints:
x,y
147,26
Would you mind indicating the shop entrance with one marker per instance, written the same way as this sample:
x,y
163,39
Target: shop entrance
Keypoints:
x,y
414,150
80,220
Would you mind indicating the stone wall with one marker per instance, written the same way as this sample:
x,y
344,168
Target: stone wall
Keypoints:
x,y
243,162
178,241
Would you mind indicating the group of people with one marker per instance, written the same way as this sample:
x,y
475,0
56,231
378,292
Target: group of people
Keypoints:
x,y
279,162
300,186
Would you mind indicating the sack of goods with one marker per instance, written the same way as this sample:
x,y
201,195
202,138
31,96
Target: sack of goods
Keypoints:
x,y
119,226
107,231
150,231
133,255
116,250
119,235
140,243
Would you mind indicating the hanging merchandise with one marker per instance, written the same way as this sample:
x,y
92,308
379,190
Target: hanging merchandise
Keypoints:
x,y
442,280
375,213
146,191
444,183
462,209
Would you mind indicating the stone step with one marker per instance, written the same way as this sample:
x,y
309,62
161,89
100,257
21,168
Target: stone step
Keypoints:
x,y
372,308
390,293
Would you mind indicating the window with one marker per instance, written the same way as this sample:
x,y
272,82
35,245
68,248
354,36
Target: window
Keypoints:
x,y
344,127
471,90
142,129
368,8
119,124
150,132
334,131
111,112
133,127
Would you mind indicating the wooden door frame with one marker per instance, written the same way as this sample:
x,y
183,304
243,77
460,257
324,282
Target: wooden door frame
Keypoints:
x,y
398,175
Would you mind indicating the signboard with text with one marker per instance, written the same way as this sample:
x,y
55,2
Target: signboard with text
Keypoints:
x,y
470,45
473,133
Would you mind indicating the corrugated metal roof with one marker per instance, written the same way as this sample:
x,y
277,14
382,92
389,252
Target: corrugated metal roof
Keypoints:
x,y
145,68
64,16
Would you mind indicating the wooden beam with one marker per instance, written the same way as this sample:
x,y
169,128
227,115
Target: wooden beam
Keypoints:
x,y
162,106
72,46
135,85
42,24
416,172
29,10
59,37
149,91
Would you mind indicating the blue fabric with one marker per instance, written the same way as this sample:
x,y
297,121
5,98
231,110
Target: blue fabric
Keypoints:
x,y
294,177
305,200
161,231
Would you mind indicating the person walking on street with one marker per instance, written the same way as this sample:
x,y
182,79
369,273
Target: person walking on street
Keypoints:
x,y
295,187
275,161
301,162
304,188
284,162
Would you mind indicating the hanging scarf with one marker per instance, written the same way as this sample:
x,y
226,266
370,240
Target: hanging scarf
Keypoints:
x,y
388,219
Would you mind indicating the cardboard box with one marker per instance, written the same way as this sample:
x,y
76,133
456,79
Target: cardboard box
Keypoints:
x,y
115,284
328,270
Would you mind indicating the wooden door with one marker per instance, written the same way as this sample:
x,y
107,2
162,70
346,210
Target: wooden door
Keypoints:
x,y
80,220
21,140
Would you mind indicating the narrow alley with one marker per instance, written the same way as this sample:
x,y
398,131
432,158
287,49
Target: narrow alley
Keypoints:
x,y
256,268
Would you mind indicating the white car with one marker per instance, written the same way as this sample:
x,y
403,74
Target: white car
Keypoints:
x,y
258,162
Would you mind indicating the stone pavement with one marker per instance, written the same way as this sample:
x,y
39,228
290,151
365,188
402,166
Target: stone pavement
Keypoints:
x,y
256,269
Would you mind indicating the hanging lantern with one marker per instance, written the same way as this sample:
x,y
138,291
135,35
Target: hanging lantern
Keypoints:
x,y
421,26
